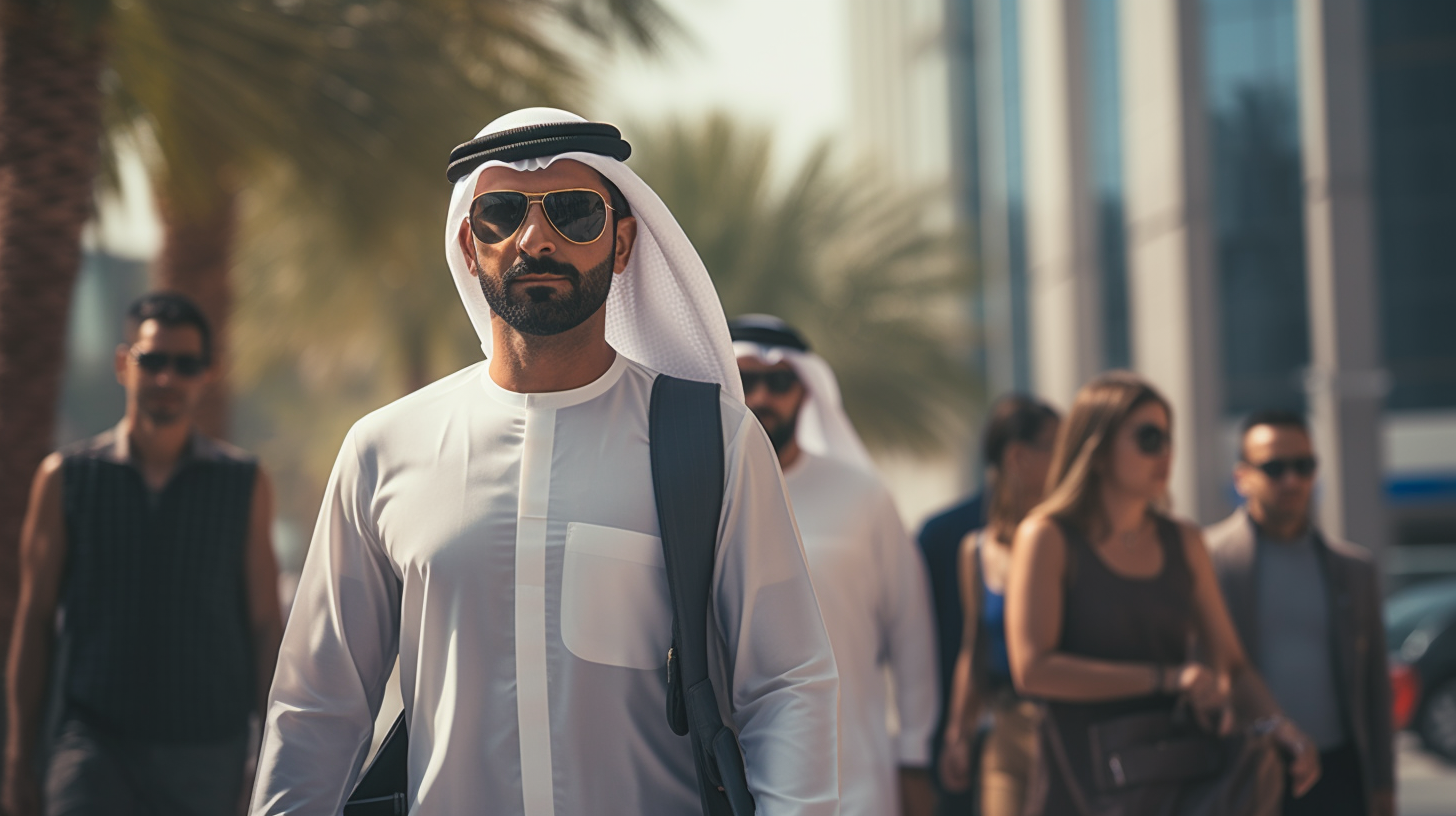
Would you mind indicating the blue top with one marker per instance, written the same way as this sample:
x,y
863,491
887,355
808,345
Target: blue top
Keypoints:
x,y
992,627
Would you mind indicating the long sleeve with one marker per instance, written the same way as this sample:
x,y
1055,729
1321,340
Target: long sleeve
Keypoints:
x,y
785,687
909,638
338,649
1377,685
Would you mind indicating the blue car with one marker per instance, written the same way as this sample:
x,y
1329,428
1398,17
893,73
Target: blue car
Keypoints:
x,y
1420,630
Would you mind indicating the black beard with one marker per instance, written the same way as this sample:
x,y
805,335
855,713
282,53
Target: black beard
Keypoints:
x,y
538,310
782,432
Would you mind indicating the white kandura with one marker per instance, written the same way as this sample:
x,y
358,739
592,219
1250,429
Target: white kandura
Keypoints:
x,y
875,596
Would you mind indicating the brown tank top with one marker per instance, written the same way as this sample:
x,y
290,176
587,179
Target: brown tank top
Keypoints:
x,y
1108,616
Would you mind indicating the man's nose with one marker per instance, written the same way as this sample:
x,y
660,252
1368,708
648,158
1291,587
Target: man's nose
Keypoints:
x,y
536,237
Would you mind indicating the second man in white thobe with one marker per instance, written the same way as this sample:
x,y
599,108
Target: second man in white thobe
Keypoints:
x,y
868,576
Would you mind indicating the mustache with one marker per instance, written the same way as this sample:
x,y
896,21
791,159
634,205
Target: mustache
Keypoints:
x,y
768,413
527,265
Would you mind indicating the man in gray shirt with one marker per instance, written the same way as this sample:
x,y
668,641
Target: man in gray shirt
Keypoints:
x,y
1307,608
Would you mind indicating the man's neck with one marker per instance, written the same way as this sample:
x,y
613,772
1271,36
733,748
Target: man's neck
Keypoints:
x,y
527,364
154,448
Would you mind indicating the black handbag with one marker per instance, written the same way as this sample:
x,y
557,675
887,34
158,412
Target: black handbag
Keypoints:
x,y
1160,763
686,445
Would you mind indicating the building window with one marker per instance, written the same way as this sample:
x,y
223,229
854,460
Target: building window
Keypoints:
x,y
1251,65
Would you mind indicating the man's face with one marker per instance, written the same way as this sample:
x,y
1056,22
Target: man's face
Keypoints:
x,y
166,396
536,280
774,394
1271,500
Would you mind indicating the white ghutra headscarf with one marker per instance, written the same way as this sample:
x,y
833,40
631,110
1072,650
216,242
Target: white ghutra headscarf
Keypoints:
x,y
663,311
823,427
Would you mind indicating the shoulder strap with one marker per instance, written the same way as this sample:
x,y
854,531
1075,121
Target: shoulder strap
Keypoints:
x,y
686,440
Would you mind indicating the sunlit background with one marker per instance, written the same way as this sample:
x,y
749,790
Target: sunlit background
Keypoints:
x,y
953,198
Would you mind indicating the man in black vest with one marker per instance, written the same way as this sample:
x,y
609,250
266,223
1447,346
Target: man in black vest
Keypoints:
x,y
153,542
1307,608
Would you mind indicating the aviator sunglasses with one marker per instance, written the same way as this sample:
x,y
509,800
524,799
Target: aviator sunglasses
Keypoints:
x,y
578,215
1151,439
155,362
777,382
1301,466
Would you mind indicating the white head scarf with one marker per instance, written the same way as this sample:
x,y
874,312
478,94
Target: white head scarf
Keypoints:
x,y
663,311
823,428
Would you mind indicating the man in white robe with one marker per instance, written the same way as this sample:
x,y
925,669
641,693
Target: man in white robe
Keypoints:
x,y
497,531
869,577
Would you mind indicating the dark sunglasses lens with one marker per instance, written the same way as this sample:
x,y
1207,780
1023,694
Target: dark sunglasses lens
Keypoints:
x,y
1151,439
1274,469
153,362
495,217
777,382
579,215
188,366
1303,467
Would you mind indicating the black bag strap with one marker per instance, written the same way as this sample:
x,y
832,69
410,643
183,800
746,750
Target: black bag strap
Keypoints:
x,y
686,441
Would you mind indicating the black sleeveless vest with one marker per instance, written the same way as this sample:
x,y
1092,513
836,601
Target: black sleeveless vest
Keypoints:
x,y
154,596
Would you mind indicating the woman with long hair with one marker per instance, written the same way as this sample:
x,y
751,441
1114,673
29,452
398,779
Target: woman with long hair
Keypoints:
x,y
1115,619
1017,445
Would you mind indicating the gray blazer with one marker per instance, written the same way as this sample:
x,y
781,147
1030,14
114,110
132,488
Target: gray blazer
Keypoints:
x,y
1362,676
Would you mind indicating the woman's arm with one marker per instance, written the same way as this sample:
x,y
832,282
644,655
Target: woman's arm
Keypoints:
x,y
1034,604
1252,701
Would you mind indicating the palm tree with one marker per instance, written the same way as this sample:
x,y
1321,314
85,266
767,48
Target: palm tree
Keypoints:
x,y
345,97
330,88
842,255
50,125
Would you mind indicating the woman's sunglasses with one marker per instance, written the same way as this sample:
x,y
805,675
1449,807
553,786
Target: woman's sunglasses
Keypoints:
x,y
1151,439
777,382
580,216
155,362
1301,466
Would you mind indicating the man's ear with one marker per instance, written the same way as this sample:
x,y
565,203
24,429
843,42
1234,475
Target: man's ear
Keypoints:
x,y
467,247
626,239
123,351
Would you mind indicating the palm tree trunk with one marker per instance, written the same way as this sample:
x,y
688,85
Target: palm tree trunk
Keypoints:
x,y
50,134
195,261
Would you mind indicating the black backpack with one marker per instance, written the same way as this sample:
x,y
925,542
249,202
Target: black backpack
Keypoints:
x,y
686,439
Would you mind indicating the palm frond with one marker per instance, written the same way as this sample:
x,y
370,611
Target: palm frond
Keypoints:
x,y
846,257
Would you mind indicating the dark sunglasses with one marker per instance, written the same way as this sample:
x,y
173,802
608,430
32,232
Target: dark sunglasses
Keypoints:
x,y
1151,440
155,362
1301,466
580,216
777,382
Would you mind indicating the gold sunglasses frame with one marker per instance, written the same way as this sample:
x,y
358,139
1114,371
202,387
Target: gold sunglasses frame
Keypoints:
x,y
538,198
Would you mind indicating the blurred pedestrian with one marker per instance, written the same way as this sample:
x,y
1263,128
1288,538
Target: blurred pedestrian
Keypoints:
x,y
867,575
1106,599
154,543
498,531
1307,608
940,545
1018,442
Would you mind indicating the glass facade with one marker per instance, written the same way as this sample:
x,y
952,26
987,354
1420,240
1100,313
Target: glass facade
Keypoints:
x,y
1252,87
1015,190
1413,96
1104,114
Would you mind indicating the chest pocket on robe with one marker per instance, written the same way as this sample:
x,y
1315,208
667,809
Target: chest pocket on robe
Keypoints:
x,y
615,607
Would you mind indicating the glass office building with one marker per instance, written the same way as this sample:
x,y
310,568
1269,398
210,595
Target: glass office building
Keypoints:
x,y
1248,55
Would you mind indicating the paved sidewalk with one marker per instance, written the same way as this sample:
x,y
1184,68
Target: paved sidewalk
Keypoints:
x,y
1426,786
